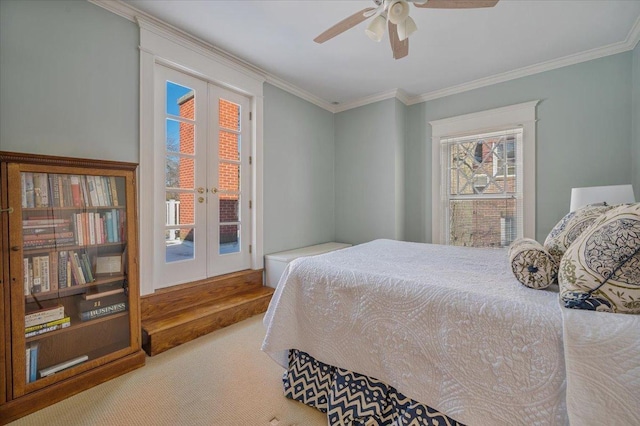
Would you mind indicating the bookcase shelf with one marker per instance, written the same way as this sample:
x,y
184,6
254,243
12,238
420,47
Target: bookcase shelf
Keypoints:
x,y
69,275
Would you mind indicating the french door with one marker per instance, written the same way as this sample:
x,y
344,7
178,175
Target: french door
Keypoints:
x,y
202,179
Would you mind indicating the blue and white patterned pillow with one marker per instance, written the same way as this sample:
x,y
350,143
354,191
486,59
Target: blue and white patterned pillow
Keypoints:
x,y
532,264
601,269
570,227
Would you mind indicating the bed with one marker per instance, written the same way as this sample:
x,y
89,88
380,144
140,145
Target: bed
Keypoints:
x,y
393,332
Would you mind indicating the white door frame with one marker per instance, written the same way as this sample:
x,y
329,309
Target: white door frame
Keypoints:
x,y
170,47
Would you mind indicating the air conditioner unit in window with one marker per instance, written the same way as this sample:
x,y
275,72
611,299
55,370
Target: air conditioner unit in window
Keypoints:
x,y
480,182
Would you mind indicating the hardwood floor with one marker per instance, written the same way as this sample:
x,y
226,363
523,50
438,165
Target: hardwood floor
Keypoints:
x,y
182,313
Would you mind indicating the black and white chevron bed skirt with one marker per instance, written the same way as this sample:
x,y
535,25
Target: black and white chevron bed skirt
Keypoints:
x,y
350,398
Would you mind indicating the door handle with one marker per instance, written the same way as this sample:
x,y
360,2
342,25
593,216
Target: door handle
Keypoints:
x,y
214,190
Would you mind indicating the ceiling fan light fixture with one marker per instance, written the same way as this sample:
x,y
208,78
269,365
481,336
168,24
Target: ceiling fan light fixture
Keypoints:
x,y
398,11
375,29
406,28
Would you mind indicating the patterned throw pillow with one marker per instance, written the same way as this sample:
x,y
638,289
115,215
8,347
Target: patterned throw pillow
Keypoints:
x,y
601,269
532,264
570,227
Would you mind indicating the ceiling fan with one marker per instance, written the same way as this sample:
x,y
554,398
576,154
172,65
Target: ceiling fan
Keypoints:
x,y
395,15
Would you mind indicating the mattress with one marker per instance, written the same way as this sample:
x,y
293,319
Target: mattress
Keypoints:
x,y
447,326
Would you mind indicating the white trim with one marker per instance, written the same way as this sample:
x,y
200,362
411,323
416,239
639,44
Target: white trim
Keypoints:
x,y
633,37
162,45
523,115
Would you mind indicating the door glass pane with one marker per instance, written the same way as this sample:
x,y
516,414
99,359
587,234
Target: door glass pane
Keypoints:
x,y
229,146
229,177
180,208
229,116
229,208
180,101
180,244
179,172
180,137
229,239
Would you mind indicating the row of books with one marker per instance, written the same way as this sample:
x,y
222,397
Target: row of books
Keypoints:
x,y
31,358
60,190
87,228
45,320
62,269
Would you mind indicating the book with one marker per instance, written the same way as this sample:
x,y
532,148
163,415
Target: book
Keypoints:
x,y
33,362
26,279
28,190
76,269
114,191
36,286
41,189
42,316
48,329
63,366
99,302
47,324
27,357
103,311
63,257
76,193
91,296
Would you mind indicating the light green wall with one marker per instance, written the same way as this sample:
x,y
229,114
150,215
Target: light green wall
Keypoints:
x,y
635,154
368,142
298,172
69,80
583,135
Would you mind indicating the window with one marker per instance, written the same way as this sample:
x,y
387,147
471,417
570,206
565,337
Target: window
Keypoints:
x,y
482,188
483,183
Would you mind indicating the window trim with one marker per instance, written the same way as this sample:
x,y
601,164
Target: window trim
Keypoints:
x,y
518,115
162,45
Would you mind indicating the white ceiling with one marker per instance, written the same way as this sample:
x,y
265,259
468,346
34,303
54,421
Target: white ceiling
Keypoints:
x,y
450,48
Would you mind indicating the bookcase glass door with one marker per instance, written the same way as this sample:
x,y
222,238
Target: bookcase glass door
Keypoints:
x,y
73,246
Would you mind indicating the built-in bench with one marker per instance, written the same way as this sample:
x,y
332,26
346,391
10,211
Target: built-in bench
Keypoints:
x,y
179,314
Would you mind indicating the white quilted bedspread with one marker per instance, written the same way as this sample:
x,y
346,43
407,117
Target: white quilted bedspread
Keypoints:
x,y
603,367
450,327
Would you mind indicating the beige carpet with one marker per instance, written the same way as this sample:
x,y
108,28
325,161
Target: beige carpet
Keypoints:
x,y
219,379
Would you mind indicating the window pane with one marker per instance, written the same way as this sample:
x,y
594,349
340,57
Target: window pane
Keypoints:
x,y
229,239
180,101
180,208
229,146
179,244
229,208
179,172
483,223
229,116
180,137
229,177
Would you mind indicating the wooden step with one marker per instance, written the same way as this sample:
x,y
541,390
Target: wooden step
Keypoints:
x,y
180,326
186,295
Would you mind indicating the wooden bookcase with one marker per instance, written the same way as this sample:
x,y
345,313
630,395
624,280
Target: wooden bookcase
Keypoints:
x,y
69,258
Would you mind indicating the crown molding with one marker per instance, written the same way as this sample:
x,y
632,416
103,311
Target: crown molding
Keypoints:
x,y
143,19
630,42
132,14
399,94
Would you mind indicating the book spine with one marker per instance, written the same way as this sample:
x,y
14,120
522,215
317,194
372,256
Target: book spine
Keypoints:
x,y
47,324
47,329
25,278
41,317
75,191
53,271
99,302
114,191
33,369
115,217
62,268
107,190
86,263
44,273
23,188
62,366
37,280
29,192
27,357
100,191
103,311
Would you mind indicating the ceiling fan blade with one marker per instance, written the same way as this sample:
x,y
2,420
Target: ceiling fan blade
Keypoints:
x,y
399,48
343,25
457,4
